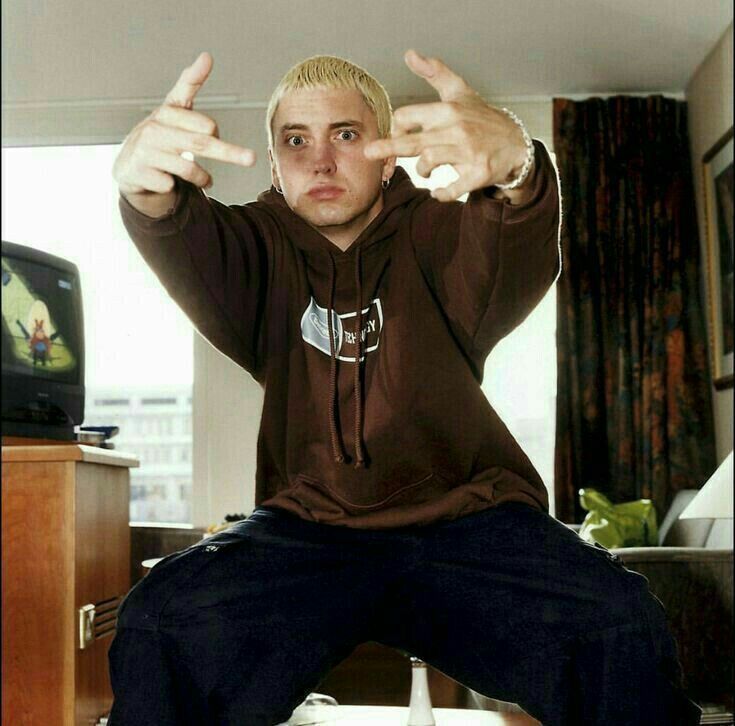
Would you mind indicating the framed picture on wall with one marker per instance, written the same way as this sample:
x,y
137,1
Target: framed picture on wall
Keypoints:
x,y
718,200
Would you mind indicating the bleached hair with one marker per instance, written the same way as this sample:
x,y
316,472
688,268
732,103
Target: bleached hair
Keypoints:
x,y
327,71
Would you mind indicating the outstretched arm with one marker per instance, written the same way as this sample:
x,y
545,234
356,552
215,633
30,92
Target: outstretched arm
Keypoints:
x,y
214,260
488,261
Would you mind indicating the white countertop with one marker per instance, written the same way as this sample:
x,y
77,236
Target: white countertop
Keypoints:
x,y
398,716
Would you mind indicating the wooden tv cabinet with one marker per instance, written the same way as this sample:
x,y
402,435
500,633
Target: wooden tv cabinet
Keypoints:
x,y
65,569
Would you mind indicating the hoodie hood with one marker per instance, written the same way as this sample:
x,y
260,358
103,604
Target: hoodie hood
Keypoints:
x,y
400,193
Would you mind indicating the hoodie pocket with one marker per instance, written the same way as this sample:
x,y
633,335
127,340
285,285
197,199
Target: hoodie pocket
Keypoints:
x,y
329,499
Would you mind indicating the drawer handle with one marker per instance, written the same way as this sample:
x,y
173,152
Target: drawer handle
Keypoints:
x,y
91,627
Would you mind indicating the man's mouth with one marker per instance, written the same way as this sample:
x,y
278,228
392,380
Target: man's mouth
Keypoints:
x,y
325,192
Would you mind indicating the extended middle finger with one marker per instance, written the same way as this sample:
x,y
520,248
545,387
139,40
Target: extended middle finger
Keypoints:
x,y
424,116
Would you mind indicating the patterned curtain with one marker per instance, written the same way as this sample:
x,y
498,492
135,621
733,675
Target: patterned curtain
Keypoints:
x,y
634,409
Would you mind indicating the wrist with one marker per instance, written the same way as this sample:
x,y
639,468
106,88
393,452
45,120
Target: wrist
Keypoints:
x,y
152,204
528,180
517,169
520,159
520,194
521,170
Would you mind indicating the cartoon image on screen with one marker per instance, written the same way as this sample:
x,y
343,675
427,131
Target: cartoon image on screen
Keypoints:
x,y
35,335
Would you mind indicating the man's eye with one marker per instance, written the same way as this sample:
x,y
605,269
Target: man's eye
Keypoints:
x,y
294,140
347,135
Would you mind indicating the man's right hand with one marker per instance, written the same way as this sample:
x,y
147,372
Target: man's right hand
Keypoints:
x,y
150,156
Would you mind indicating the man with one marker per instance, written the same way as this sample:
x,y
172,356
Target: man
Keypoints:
x,y
393,504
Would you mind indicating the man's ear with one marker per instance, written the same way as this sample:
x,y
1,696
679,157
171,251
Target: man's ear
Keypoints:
x,y
389,167
274,174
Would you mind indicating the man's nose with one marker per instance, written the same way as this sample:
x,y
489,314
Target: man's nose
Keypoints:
x,y
324,159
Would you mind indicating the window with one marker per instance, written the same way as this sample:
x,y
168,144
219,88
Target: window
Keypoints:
x,y
63,200
520,387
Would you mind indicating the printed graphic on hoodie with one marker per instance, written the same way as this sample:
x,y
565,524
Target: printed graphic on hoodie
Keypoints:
x,y
315,330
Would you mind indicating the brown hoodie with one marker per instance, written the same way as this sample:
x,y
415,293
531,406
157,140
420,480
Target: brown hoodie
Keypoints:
x,y
406,436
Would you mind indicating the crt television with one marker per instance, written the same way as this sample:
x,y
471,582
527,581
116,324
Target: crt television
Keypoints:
x,y
42,345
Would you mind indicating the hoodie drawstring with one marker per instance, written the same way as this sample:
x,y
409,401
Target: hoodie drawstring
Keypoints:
x,y
337,446
359,454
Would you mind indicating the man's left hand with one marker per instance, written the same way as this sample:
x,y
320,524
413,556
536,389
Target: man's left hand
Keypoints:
x,y
483,144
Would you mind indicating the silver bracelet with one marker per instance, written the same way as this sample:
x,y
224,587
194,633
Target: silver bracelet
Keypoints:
x,y
529,154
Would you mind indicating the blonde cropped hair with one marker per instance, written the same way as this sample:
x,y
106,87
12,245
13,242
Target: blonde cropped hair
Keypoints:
x,y
327,71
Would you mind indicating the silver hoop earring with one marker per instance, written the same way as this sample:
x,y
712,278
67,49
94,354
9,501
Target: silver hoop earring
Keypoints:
x,y
385,183
280,191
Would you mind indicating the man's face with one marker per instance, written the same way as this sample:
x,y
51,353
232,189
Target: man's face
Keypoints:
x,y
318,161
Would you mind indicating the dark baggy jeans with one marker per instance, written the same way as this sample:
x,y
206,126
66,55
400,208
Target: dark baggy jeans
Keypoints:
x,y
238,629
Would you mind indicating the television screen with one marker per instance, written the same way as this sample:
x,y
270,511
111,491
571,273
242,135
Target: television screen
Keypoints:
x,y
40,335
42,327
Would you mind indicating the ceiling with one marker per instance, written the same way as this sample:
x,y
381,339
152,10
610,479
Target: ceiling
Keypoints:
x,y
78,52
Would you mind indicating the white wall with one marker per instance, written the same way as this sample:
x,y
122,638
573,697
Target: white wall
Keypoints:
x,y
710,97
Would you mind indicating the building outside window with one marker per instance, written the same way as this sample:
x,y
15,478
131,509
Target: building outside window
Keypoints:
x,y
161,490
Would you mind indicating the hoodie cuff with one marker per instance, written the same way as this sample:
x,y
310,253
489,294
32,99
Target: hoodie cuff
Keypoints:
x,y
170,223
542,193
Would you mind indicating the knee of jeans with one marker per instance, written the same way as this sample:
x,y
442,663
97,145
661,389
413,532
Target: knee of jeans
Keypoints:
x,y
628,599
